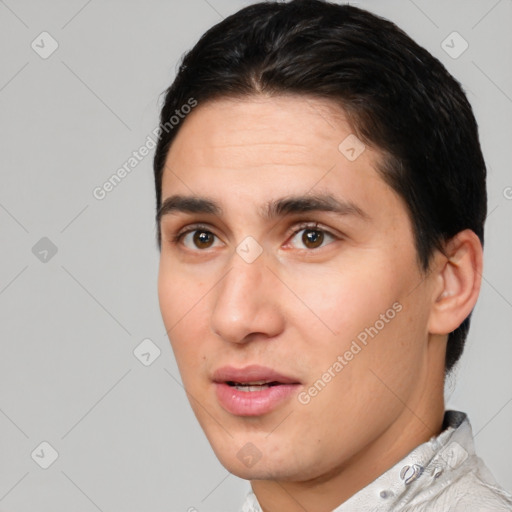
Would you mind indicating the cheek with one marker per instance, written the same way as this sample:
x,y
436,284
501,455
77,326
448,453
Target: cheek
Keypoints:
x,y
180,292
182,309
376,357
342,302
366,313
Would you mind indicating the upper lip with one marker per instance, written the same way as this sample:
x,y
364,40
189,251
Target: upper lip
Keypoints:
x,y
251,373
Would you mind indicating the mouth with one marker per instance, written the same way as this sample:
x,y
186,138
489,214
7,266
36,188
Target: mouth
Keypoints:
x,y
253,390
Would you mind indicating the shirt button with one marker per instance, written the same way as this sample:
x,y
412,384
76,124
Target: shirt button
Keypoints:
x,y
410,473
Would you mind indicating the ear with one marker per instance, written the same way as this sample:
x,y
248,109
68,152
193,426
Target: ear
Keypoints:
x,y
458,279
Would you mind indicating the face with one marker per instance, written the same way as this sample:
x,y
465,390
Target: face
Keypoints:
x,y
316,308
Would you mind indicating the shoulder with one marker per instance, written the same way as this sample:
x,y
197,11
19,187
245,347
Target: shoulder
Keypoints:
x,y
481,487
479,492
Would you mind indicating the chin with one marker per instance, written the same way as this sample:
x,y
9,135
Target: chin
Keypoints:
x,y
260,471
250,463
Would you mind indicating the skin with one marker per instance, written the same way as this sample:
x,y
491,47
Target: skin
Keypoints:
x,y
299,306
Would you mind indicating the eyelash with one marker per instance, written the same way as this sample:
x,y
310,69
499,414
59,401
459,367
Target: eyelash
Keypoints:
x,y
314,226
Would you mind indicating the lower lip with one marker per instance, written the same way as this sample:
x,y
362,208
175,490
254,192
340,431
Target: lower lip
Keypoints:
x,y
253,403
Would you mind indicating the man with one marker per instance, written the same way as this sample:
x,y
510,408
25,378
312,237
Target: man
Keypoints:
x,y
320,208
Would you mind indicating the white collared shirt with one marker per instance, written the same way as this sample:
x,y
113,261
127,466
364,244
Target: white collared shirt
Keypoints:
x,y
442,475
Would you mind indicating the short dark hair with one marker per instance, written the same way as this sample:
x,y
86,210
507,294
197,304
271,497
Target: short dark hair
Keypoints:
x,y
397,97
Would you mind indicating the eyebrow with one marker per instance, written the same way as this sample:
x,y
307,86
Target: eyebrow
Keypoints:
x,y
273,209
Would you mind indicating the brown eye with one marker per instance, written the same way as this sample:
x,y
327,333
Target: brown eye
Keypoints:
x,y
202,239
312,238
195,237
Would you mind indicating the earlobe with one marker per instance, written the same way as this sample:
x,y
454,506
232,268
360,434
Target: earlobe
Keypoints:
x,y
459,280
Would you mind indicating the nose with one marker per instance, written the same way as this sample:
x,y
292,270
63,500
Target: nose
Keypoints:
x,y
246,305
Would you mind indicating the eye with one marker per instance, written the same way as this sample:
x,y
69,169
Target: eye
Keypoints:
x,y
201,237
313,235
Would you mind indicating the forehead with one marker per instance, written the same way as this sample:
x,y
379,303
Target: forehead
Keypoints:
x,y
290,130
245,151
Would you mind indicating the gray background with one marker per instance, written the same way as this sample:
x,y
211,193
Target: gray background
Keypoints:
x,y
125,435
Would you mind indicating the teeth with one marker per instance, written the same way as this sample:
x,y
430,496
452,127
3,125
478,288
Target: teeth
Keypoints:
x,y
250,388
257,385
